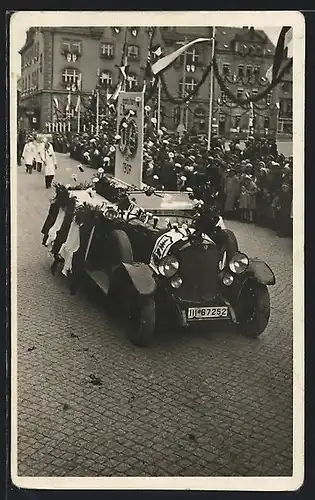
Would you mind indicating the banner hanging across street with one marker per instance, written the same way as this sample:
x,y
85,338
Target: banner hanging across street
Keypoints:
x,y
130,127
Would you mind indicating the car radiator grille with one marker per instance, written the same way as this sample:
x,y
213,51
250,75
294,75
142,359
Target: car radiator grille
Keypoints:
x,y
199,272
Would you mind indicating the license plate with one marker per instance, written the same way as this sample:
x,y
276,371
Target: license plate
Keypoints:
x,y
207,312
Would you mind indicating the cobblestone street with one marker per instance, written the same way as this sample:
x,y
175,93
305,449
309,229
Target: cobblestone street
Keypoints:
x,y
195,403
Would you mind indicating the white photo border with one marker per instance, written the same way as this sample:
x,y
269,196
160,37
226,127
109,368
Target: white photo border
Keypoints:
x,y
24,19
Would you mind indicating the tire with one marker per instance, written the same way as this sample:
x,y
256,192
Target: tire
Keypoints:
x,y
229,241
254,311
141,320
120,247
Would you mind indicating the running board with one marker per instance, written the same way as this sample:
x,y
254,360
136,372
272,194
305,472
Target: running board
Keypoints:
x,y
100,278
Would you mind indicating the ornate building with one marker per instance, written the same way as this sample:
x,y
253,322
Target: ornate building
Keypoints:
x,y
59,60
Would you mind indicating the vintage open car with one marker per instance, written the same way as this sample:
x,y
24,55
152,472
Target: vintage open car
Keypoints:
x,y
157,253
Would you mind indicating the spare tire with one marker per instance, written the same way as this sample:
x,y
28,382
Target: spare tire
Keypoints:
x,y
229,242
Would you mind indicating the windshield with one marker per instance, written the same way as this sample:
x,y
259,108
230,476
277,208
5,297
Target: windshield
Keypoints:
x,y
167,203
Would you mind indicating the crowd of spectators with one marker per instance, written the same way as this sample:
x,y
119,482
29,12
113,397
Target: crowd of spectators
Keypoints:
x,y
251,181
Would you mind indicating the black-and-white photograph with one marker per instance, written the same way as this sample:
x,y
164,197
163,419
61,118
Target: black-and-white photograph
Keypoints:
x,y
156,199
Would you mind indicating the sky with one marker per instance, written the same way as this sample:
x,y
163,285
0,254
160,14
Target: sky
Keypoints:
x,y
20,37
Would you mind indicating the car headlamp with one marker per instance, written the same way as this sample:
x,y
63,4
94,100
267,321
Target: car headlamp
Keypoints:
x,y
111,214
239,263
168,266
176,282
228,279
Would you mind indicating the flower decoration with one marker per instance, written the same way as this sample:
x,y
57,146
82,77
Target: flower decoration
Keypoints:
x,y
96,152
100,170
131,112
117,137
112,149
154,121
160,132
138,99
106,159
95,180
125,125
171,155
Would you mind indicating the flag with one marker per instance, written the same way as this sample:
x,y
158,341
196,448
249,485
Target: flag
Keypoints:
x,y
78,104
156,50
68,102
56,103
124,60
285,38
269,74
288,42
251,113
116,92
166,61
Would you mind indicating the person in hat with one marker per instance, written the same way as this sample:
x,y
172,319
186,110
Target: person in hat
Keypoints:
x,y
29,154
50,163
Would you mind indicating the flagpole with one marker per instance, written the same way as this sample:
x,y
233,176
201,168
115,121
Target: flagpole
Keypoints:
x,y
79,108
211,89
159,106
183,91
97,104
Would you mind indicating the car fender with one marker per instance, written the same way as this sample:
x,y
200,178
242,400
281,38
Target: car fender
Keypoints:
x,y
261,271
142,277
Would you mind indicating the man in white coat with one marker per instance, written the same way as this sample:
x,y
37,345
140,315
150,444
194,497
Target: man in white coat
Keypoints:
x,y
40,152
29,155
50,164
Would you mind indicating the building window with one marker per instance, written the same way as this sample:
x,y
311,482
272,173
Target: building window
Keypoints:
x,y
257,70
190,84
226,69
192,56
41,63
268,98
132,81
241,70
106,78
72,47
286,87
176,115
266,122
70,75
254,91
133,51
107,50
240,93
237,120
249,70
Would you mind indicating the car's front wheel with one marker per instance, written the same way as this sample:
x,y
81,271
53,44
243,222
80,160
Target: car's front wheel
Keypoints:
x,y
141,319
253,309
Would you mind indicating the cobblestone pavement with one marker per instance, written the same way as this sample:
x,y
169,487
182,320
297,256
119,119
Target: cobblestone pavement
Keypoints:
x,y
196,403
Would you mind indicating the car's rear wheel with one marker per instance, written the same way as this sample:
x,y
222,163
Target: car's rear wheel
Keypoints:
x,y
253,309
140,319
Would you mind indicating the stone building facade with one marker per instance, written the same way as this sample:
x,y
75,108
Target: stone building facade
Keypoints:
x,y
56,59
